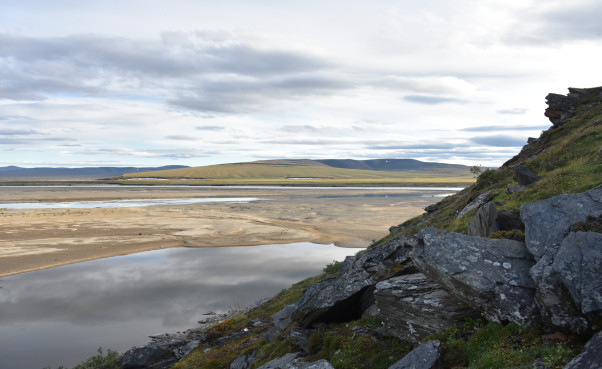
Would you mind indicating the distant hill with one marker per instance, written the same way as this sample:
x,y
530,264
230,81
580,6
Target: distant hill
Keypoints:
x,y
389,164
315,172
14,172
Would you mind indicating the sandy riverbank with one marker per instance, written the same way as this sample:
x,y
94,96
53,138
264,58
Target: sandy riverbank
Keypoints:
x,y
32,239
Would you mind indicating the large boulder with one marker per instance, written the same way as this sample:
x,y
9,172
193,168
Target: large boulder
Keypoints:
x,y
348,295
425,356
560,277
413,306
547,222
159,354
491,275
293,361
475,203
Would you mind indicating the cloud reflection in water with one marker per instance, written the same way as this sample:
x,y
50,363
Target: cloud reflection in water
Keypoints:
x,y
117,302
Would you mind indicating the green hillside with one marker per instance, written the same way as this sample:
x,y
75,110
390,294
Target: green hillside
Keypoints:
x,y
302,172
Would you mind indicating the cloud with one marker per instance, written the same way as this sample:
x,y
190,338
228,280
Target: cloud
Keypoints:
x,y
181,138
499,141
201,71
428,84
504,128
432,100
516,111
17,132
210,128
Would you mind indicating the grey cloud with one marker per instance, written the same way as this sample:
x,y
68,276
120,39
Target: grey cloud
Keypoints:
x,y
200,71
512,111
425,146
504,128
17,132
181,138
299,128
210,128
499,141
432,100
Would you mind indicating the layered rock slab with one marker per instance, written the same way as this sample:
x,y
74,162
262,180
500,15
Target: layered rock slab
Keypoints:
x,y
491,275
346,296
413,306
425,356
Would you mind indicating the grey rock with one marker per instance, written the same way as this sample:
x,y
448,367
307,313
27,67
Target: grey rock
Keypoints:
x,y
243,361
430,208
281,320
478,201
425,356
281,362
159,354
293,361
491,275
346,296
579,263
531,140
484,222
524,176
547,222
413,306
553,299
590,357
511,190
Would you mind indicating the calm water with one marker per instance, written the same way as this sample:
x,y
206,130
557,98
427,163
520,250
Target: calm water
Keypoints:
x,y
130,203
61,316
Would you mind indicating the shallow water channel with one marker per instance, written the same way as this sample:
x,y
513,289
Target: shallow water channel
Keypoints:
x,y
61,316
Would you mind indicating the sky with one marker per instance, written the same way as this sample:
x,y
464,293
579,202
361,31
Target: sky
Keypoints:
x,y
195,82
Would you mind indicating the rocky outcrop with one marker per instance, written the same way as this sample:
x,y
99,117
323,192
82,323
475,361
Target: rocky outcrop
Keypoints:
x,y
557,278
244,361
561,108
161,353
488,274
413,306
484,222
348,295
281,320
591,355
425,356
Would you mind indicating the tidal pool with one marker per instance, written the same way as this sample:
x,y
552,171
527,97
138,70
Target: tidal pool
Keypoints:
x,y
61,316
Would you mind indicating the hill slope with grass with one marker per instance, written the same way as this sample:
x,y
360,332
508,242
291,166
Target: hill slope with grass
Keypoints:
x,y
314,172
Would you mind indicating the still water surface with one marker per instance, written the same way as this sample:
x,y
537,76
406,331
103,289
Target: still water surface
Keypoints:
x,y
62,315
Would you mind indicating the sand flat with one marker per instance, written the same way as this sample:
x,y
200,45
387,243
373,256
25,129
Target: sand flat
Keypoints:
x,y
32,239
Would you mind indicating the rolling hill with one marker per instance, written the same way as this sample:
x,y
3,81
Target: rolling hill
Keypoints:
x,y
313,172
14,172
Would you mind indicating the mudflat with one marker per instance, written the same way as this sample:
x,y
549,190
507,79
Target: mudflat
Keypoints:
x,y
32,239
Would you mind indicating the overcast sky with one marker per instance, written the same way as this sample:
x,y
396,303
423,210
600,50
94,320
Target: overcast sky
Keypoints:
x,y
194,82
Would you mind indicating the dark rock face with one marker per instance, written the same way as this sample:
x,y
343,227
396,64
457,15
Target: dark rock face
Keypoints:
x,y
590,357
346,296
431,208
508,221
491,275
547,222
425,356
524,176
484,222
561,108
413,306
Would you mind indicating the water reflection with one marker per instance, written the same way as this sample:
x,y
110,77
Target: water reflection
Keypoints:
x,y
62,315
131,203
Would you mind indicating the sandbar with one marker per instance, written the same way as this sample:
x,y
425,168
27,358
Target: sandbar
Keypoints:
x,y
33,239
